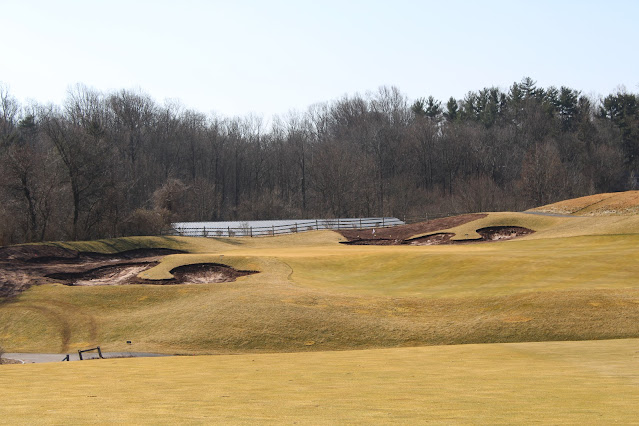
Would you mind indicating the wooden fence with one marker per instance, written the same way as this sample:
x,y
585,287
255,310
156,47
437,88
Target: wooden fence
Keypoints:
x,y
247,230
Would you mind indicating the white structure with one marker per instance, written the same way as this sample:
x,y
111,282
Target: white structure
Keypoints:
x,y
256,228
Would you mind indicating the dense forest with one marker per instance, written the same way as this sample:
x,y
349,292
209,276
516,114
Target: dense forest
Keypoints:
x,y
113,164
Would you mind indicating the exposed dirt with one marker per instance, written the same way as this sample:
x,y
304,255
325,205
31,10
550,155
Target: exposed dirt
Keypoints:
x,y
24,266
401,235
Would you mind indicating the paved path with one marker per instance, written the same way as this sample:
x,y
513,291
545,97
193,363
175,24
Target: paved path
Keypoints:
x,y
550,214
27,358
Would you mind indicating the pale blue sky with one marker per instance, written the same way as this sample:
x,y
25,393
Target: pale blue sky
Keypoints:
x,y
268,57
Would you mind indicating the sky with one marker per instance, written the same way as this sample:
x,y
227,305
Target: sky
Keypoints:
x,y
240,57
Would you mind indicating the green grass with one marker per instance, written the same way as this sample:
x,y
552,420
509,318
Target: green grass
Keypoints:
x,y
523,383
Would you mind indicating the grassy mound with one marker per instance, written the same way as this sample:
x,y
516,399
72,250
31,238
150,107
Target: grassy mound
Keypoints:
x,y
616,203
118,245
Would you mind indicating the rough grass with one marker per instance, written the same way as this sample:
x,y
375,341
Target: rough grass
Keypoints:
x,y
615,203
524,383
116,245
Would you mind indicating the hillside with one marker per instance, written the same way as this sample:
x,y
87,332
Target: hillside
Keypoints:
x,y
573,278
614,203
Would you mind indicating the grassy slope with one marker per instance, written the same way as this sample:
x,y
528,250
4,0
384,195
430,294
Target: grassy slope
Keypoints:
x,y
116,245
550,383
614,203
315,294
570,280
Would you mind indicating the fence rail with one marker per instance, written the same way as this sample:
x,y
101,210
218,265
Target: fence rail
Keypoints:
x,y
247,230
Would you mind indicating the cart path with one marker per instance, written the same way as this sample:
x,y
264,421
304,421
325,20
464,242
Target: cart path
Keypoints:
x,y
36,358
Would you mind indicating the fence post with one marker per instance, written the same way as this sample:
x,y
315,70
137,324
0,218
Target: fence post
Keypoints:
x,y
382,222
229,230
251,231
273,229
360,223
296,227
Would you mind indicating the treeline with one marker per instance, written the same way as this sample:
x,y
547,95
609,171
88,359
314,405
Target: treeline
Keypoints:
x,y
113,164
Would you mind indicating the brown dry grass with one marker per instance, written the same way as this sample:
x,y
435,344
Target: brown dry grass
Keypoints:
x,y
523,383
615,203
271,315
315,294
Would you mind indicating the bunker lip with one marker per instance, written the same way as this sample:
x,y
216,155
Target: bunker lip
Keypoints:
x,y
24,266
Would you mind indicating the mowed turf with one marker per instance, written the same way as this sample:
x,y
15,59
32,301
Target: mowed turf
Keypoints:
x,y
523,383
315,299
314,294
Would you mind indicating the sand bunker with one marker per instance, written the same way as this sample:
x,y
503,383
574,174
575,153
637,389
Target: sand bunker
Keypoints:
x,y
206,273
123,274
493,233
106,275
24,266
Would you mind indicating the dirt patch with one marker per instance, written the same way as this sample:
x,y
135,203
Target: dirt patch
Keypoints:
x,y
405,232
24,266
